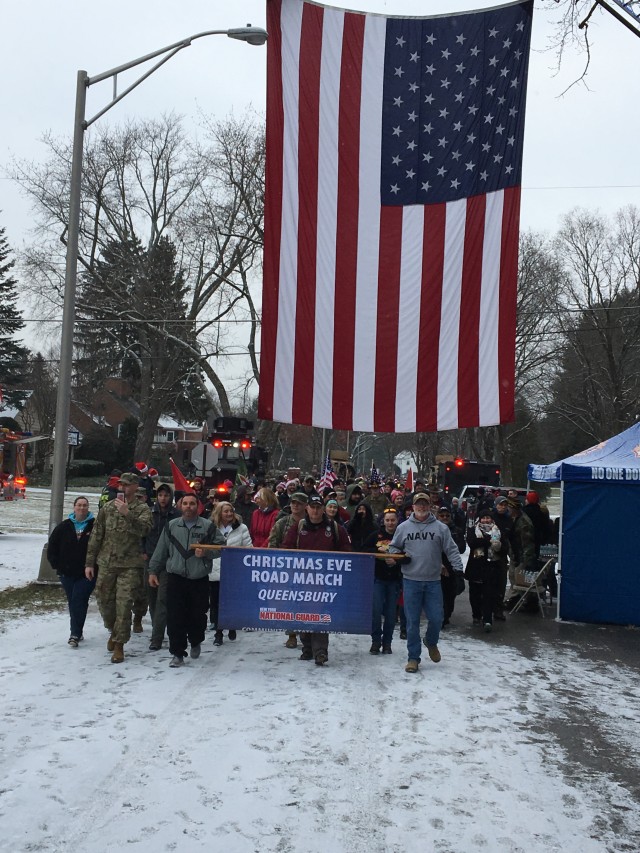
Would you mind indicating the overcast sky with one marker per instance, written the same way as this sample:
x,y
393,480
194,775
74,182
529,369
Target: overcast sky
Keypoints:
x,y
580,149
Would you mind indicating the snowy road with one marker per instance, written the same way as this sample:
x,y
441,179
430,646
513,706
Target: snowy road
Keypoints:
x,y
527,740
250,749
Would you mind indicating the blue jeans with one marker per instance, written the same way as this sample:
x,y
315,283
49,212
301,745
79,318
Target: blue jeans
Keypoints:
x,y
385,596
419,596
78,591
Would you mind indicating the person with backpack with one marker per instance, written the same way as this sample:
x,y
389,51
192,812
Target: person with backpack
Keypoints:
x,y
163,512
316,532
296,512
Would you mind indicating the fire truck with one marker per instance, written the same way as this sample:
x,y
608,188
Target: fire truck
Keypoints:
x,y
230,453
13,453
452,475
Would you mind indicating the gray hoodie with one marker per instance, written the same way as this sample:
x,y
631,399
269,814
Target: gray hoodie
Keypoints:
x,y
425,542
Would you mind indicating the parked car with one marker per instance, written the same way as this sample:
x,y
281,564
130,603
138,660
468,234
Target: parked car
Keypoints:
x,y
469,499
470,493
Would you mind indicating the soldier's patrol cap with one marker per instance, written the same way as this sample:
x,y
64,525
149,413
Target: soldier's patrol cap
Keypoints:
x,y
301,497
129,479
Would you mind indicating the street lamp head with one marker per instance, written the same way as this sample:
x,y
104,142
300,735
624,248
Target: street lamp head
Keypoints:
x,y
252,35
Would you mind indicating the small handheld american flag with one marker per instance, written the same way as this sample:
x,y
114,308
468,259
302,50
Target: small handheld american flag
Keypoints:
x,y
328,475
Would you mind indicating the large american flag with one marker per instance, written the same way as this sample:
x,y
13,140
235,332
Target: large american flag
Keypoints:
x,y
394,152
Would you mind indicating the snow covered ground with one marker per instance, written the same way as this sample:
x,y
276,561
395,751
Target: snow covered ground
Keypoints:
x,y
506,745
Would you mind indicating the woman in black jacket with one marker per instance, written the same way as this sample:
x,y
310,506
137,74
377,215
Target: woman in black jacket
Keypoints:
x,y
67,552
361,526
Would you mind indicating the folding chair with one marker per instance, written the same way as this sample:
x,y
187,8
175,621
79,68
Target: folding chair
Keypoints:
x,y
533,585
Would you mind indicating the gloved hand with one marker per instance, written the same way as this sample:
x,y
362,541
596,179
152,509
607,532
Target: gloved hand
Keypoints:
x,y
460,586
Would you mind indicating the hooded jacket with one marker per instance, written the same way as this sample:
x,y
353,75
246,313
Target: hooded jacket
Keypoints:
x,y
174,553
160,520
244,509
348,506
66,550
237,537
425,542
360,528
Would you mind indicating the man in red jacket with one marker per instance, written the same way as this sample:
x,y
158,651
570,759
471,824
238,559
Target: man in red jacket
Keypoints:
x,y
316,533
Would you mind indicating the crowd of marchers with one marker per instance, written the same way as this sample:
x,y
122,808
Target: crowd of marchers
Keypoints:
x,y
142,553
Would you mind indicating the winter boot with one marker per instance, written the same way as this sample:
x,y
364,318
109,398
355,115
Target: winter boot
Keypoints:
x,y
292,641
217,640
111,644
137,625
434,654
375,649
412,666
118,653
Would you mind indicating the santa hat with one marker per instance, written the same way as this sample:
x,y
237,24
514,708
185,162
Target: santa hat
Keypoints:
x,y
153,473
113,482
141,468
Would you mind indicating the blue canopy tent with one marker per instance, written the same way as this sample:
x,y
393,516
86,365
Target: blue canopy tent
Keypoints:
x,y
599,556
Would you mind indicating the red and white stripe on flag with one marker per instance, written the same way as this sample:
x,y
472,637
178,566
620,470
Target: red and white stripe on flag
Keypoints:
x,y
375,318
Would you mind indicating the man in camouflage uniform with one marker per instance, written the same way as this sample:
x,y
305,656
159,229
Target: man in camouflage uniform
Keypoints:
x,y
522,545
116,547
297,504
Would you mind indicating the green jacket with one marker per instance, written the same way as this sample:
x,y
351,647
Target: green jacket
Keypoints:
x,y
116,540
523,545
173,551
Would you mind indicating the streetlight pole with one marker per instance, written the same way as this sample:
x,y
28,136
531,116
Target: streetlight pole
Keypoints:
x,y
249,34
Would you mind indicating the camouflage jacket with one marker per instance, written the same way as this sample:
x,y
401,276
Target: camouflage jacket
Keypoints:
x,y
116,540
522,541
279,530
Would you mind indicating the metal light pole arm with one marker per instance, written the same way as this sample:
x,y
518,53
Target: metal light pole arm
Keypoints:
x,y
170,51
252,35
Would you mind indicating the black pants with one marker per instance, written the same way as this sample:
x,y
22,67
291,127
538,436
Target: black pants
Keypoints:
x,y
482,596
448,584
502,571
214,601
314,642
187,606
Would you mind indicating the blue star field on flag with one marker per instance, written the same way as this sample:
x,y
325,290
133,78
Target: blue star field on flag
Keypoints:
x,y
454,105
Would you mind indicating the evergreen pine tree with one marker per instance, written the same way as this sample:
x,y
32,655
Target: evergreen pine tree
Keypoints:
x,y
13,356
